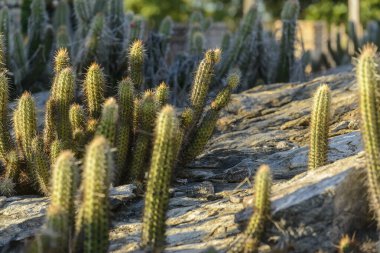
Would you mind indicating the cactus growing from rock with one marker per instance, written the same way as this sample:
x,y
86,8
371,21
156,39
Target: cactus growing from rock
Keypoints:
x,y
319,128
367,75
249,240
157,195
92,222
289,18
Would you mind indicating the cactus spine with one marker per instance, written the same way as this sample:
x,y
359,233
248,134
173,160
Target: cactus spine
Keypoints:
x,y
319,128
367,75
254,231
93,218
94,86
157,195
289,17
136,64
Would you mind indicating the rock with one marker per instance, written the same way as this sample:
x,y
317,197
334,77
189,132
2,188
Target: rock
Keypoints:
x,y
212,202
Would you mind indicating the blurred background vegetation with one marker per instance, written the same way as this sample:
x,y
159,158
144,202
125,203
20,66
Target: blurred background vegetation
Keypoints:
x,y
333,11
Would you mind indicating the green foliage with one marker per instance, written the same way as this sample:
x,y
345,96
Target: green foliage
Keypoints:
x,y
319,128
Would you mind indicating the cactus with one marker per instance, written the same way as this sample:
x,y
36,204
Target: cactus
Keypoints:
x,y
25,14
63,38
289,17
55,149
254,231
40,166
60,213
145,119
348,245
20,63
107,124
77,117
62,15
5,31
63,96
3,54
136,29
4,124
319,128
202,81
83,12
92,221
49,134
12,168
162,94
136,64
226,42
198,41
25,124
36,28
157,195
199,138
125,99
367,75
94,87
61,60
166,27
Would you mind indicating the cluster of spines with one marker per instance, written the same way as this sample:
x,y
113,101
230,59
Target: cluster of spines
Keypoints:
x,y
319,128
368,78
249,240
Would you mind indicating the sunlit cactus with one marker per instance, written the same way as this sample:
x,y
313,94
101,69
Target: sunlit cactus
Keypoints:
x,y
92,222
136,64
157,195
319,128
94,88
107,124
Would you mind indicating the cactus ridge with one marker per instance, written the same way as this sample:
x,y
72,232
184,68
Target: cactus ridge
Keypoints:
x,y
319,128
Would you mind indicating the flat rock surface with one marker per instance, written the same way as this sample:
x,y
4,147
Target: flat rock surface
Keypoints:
x,y
212,202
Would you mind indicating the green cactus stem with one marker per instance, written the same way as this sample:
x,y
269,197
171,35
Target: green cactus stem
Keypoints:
x,y
25,124
254,231
40,166
145,126
289,18
5,139
202,81
55,149
49,134
136,64
107,125
94,87
162,94
367,75
92,222
61,213
157,195
319,128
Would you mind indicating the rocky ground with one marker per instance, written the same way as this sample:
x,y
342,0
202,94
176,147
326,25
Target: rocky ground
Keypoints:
x,y
311,211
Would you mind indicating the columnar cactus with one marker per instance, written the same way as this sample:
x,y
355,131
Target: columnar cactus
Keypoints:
x,y
135,29
107,124
166,26
4,133
94,88
63,97
198,140
289,17
49,134
367,75
40,165
92,222
162,94
157,195
319,128
145,119
254,231
61,213
55,149
202,81
25,124
136,64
